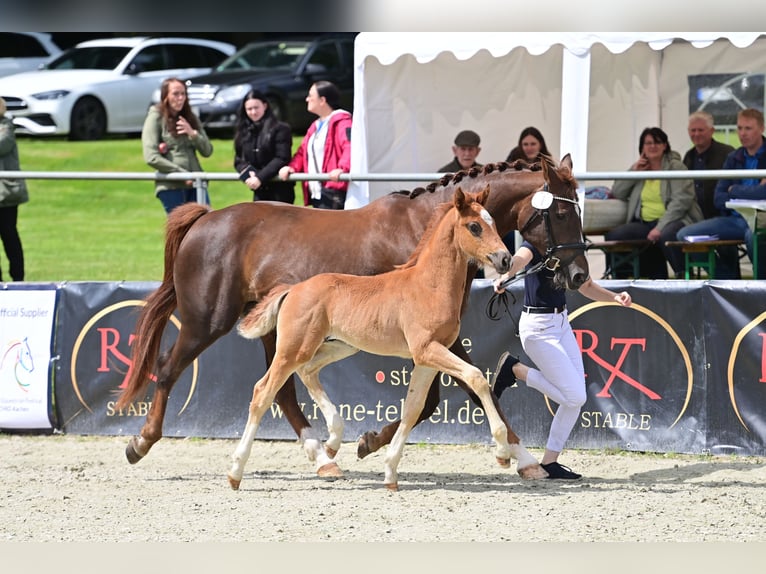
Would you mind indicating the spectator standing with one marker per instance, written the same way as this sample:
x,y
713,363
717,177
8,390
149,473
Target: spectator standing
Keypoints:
x,y
706,153
530,147
13,192
465,149
325,149
262,146
730,224
657,209
171,137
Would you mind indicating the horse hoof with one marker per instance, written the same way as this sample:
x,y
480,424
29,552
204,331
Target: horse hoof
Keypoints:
x,y
233,482
330,470
364,446
504,462
131,454
393,486
532,472
331,452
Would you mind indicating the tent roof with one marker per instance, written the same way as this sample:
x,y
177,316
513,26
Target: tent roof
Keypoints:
x,y
425,46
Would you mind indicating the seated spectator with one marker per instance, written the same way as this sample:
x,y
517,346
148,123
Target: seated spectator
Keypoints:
x,y
729,224
531,146
465,150
657,209
706,153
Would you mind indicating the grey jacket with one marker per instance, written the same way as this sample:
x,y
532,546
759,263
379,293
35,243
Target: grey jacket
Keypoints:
x,y
677,195
12,191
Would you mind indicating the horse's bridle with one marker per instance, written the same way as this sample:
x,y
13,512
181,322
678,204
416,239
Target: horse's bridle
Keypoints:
x,y
549,261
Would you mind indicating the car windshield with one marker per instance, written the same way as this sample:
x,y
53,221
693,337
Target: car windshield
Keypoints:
x,y
95,58
284,55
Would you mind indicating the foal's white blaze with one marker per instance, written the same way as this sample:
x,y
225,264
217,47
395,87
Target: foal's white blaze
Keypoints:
x,y
487,217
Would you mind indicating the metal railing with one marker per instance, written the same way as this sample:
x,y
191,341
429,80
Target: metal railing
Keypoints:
x,y
199,176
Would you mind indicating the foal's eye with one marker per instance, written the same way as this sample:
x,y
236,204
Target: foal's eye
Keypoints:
x,y
474,228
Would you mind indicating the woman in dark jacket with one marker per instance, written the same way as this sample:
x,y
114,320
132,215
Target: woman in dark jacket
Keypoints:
x,y
531,146
262,145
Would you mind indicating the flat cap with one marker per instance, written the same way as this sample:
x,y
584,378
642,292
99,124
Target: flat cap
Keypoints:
x,y
467,138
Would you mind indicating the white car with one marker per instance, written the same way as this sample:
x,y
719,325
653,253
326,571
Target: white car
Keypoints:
x,y
103,86
22,51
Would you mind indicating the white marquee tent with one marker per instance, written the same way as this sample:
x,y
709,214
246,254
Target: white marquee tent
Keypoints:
x,y
590,94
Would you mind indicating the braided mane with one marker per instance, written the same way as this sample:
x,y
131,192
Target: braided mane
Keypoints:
x,y
474,172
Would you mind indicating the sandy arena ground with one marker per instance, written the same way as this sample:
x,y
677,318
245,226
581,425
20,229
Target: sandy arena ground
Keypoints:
x,y
73,488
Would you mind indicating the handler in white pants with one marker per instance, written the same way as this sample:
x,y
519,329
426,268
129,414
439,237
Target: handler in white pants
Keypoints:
x,y
548,340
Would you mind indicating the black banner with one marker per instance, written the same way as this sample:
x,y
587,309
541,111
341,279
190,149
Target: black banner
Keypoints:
x,y
681,371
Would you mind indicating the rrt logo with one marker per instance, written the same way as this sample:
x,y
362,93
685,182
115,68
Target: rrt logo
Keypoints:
x,y
746,373
101,362
621,378
590,349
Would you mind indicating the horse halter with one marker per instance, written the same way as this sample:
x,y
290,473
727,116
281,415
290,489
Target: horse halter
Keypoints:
x,y
542,201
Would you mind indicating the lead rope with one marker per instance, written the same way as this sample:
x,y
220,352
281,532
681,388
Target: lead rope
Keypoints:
x,y
498,300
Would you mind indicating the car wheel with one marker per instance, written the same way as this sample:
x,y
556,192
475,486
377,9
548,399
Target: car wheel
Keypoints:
x,y
88,121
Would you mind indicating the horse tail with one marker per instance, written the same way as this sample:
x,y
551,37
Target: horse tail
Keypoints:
x,y
159,306
262,318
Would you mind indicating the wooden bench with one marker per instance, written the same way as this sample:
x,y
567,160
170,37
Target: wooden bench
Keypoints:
x,y
692,267
620,252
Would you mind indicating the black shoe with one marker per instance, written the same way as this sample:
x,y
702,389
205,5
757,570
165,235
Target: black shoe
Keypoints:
x,y
556,470
504,377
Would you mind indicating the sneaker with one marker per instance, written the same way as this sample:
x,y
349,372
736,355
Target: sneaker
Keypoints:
x,y
556,470
503,377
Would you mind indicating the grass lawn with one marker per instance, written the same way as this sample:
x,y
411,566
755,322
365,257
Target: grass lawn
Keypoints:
x,y
101,230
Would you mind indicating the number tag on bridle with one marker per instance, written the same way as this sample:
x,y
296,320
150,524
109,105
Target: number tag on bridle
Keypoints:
x,y
542,199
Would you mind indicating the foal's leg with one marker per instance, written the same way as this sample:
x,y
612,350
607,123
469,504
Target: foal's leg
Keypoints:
x,y
286,397
440,357
371,441
413,405
328,353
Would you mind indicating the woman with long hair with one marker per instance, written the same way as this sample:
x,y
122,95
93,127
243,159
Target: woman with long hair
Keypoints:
x,y
530,147
262,146
171,137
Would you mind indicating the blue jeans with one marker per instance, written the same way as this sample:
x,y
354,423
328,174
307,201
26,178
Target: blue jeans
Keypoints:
x,y
725,227
172,198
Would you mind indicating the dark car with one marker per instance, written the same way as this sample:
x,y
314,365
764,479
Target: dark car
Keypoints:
x,y
283,70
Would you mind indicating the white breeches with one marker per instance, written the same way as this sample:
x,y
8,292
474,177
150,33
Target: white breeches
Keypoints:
x,y
548,340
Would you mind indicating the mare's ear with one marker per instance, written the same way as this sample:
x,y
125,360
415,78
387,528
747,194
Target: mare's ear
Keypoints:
x,y
567,161
460,200
550,173
483,195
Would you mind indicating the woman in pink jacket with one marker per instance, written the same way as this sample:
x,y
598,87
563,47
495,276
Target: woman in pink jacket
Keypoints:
x,y
325,149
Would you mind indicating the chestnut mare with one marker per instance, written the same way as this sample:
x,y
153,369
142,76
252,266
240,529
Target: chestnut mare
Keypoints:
x,y
410,312
219,263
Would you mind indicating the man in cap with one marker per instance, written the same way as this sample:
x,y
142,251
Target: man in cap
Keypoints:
x,y
465,150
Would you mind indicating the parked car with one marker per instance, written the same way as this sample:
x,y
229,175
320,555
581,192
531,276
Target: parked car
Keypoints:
x,y
283,70
22,51
103,86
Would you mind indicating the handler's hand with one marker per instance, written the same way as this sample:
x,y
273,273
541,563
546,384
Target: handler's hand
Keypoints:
x,y
624,299
499,281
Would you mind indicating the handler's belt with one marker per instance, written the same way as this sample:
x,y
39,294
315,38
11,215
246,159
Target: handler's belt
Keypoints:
x,y
541,310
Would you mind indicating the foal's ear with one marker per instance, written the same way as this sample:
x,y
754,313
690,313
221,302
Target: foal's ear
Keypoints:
x,y
483,195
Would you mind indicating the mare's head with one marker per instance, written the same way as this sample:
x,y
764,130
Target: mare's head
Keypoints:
x,y
476,233
549,218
